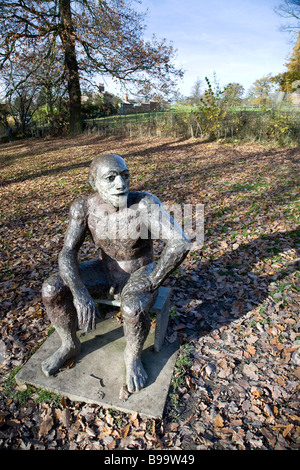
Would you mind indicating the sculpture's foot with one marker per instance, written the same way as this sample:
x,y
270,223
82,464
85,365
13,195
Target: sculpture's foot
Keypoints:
x,y
136,376
52,364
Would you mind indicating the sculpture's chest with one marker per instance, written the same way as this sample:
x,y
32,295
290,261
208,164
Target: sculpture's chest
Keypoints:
x,y
116,231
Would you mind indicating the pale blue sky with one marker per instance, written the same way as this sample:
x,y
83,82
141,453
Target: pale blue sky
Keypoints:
x,y
239,40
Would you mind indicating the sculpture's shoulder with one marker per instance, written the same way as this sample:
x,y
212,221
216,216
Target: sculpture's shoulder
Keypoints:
x,y
142,199
79,208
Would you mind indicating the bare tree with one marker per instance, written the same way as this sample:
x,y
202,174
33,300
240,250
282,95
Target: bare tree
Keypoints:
x,y
87,37
289,9
196,93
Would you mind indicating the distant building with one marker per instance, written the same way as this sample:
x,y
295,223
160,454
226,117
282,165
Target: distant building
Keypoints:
x,y
130,107
295,98
100,93
292,98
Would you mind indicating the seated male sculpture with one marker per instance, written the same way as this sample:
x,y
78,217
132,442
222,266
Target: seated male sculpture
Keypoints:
x,y
125,269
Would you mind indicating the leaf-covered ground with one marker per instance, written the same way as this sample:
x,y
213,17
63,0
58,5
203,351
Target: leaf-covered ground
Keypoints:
x,y
235,304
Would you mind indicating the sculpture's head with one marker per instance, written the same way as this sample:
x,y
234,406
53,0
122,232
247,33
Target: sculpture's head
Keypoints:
x,y
109,176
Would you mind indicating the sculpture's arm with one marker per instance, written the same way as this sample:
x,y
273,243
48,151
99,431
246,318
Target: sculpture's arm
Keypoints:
x,y
177,244
69,266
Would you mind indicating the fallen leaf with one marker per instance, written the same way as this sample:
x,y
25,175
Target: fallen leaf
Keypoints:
x,y
68,364
90,431
251,349
2,418
124,394
133,417
293,417
256,393
287,430
109,418
172,337
45,426
297,372
218,421
138,433
21,387
111,445
172,427
13,422
63,402
125,431
99,422
65,418
153,428
269,436
105,432
250,370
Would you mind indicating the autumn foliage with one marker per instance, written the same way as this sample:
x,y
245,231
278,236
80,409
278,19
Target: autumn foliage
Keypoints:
x,y
235,301
81,39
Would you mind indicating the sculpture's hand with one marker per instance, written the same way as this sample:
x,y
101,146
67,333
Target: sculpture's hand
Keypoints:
x,y
86,311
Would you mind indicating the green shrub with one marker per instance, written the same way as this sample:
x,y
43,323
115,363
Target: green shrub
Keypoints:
x,y
212,112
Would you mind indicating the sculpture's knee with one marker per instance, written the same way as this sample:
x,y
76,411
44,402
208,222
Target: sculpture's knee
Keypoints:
x,y
58,301
136,321
130,314
53,290
135,308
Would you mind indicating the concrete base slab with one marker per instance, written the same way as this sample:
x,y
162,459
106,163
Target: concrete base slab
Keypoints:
x,y
99,371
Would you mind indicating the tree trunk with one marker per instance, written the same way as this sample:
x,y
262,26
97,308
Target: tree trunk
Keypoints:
x,y
68,41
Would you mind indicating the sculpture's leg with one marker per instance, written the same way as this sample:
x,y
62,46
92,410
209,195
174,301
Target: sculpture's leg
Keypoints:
x,y
58,302
135,310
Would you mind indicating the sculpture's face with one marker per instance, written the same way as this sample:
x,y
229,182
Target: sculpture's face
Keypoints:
x,y
112,180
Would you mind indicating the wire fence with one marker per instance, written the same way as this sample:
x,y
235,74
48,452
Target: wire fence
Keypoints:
x,y
157,124
279,124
